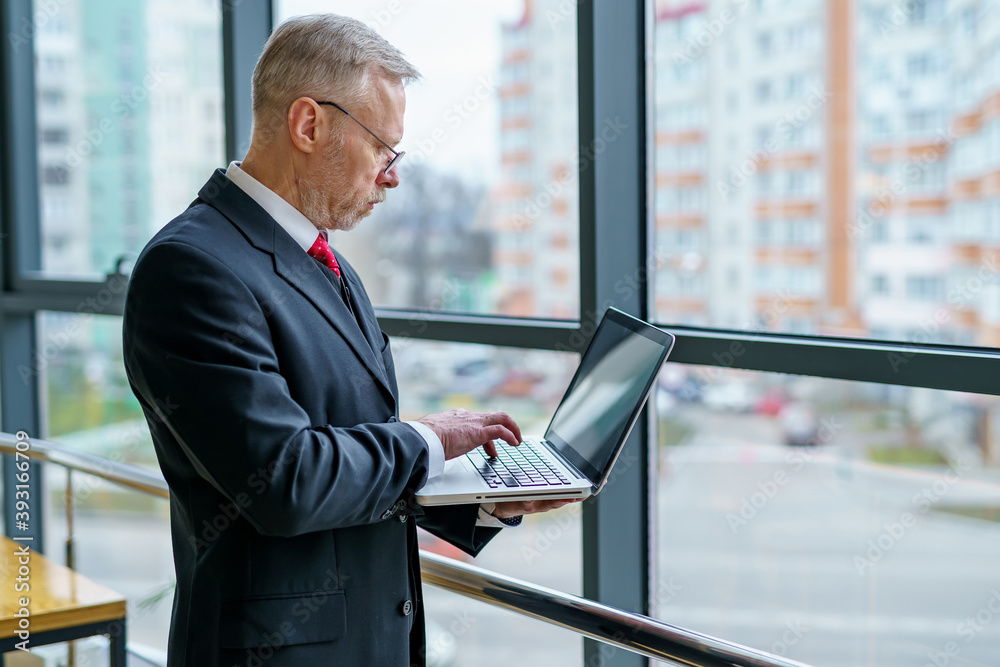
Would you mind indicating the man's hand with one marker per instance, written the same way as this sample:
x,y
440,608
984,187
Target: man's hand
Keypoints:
x,y
462,431
508,510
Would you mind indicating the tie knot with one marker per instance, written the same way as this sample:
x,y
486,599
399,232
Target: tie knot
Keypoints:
x,y
321,252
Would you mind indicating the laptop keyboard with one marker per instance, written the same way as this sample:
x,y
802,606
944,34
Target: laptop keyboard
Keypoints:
x,y
516,466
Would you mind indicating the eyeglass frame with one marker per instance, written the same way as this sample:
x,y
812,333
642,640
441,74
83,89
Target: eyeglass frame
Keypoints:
x,y
397,155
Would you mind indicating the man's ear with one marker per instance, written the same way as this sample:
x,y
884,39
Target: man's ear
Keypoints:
x,y
306,123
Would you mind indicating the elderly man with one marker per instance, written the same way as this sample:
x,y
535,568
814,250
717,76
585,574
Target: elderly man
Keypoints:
x,y
269,388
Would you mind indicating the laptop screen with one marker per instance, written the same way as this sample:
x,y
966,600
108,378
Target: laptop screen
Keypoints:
x,y
608,391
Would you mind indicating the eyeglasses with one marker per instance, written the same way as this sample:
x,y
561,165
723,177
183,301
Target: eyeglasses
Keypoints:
x,y
396,155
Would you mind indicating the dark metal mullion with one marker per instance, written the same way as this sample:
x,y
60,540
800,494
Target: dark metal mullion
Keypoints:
x,y
898,364
611,43
246,25
20,404
20,377
35,294
80,288
503,332
22,246
934,367
18,302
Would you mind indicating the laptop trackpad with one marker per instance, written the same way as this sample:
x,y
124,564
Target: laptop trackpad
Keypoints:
x,y
455,472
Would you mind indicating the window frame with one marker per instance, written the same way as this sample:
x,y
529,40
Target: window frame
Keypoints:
x,y
615,41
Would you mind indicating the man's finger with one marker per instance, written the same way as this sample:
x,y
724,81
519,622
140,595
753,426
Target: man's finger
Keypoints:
x,y
490,449
503,433
508,421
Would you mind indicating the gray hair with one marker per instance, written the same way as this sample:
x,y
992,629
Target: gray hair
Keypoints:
x,y
323,56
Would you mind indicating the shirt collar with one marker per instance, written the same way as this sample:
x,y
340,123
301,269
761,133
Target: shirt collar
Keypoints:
x,y
287,216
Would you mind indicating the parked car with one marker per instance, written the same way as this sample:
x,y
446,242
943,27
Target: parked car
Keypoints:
x,y
729,397
799,424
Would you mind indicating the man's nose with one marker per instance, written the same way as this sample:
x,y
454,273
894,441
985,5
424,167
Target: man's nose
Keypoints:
x,y
389,180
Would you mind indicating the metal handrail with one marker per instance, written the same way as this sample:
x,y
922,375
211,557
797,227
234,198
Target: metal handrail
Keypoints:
x,y
124,474
633,632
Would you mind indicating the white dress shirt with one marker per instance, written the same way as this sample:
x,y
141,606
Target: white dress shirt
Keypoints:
x,y
304,233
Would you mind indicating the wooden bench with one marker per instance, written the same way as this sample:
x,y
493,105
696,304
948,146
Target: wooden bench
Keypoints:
x,y
63,605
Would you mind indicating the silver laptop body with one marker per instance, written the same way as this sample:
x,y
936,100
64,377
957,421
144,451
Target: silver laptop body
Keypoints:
x,y
587,432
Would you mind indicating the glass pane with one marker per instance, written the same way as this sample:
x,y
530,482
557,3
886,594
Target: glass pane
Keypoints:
x,y
486,216
823,167
129,111
122,537
545,548
88,398
91,408
466,633
833,522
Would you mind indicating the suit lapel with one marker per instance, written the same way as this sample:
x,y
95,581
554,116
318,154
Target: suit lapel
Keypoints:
x,y
295,266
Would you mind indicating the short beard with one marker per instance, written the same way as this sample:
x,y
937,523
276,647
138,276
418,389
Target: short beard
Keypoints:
x,y
332,176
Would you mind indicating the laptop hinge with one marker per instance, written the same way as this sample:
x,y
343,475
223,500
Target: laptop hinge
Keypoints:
x,y
552,449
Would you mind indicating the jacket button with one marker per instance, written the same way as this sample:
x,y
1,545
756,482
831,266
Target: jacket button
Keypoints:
x,y
400,505
393,419
407,608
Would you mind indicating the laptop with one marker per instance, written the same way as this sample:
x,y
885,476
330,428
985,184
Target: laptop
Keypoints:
x,y
587,432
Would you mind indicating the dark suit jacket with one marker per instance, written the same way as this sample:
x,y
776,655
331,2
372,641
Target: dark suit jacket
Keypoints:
x,y
273,412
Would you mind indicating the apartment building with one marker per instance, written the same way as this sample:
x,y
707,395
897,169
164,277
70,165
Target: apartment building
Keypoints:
x,y
844,188
535,205
741,217
129,123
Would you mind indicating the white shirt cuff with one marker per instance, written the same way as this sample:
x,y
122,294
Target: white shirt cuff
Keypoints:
x,y
435,466
487,520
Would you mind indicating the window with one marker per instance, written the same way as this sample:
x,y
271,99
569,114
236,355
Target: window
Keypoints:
x,y
925,288
492,153
925,229
764,91
55,175
100,90
797,183
881,231
891,180
929,177
747,460
529,384
803,37
881,125
967,22
927,11
51,98
880,284
55,135
764,184
795,86
924,121
765,43
919,65
762,528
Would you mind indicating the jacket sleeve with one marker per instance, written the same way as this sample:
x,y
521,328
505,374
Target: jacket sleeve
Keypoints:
x,y
231,413
457,524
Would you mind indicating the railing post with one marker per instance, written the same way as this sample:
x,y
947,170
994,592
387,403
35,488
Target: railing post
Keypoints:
x,y
70,560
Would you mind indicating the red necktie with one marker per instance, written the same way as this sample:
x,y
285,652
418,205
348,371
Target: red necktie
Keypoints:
x,y
320,250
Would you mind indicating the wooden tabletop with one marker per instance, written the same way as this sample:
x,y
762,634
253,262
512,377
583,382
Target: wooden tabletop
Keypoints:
x,y
58,597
